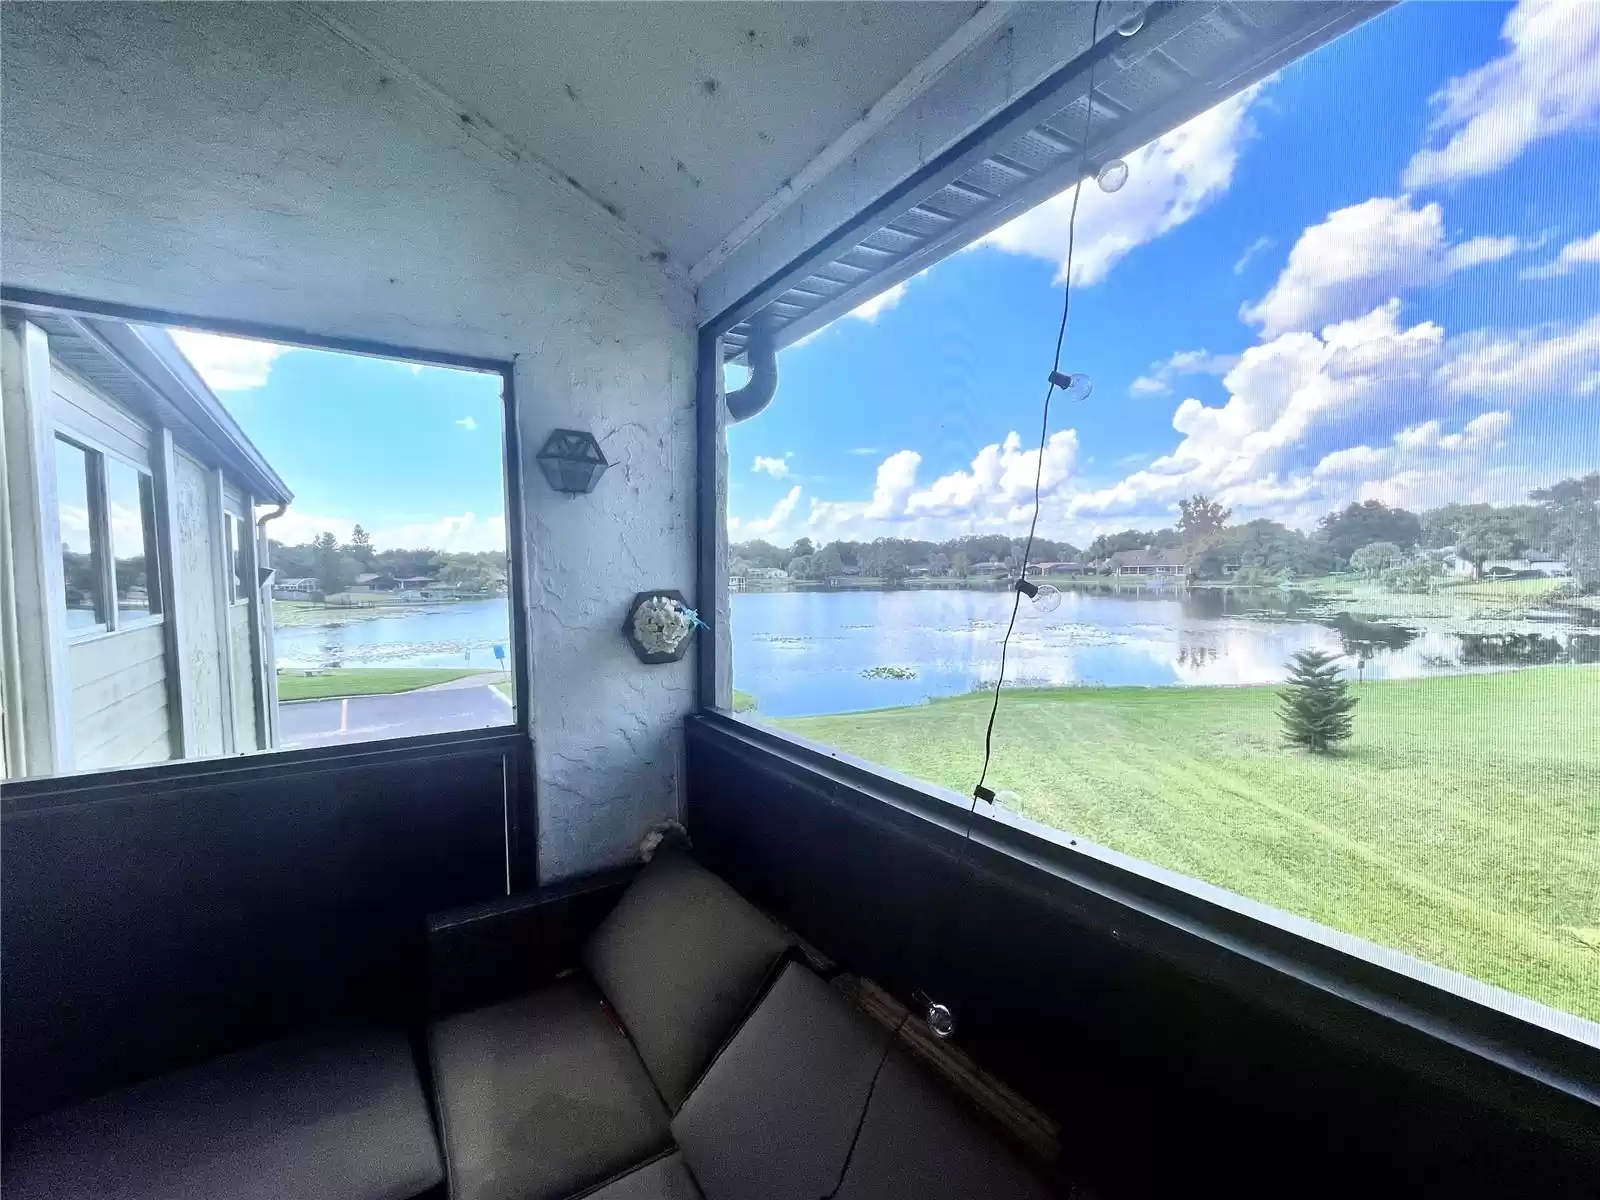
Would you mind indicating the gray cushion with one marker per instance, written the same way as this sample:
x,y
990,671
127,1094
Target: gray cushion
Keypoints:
x,y
337,1115
774,1115
664,1179
542,1096
681,958
920,1142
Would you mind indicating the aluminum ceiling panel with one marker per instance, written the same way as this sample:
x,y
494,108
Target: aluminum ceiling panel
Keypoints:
x,y
1187,58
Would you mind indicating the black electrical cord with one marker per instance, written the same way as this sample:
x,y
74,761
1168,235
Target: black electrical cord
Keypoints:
x,y
872,1086
980,792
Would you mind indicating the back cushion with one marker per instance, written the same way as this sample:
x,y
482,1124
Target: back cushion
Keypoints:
x,y
920,1141
774,1116
681,958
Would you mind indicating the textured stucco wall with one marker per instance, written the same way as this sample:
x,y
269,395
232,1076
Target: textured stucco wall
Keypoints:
x,y
240,161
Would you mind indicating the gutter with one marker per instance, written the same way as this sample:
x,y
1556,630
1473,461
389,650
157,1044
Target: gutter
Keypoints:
x,y
762,356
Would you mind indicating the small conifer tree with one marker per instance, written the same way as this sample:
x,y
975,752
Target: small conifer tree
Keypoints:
x,y
1316,702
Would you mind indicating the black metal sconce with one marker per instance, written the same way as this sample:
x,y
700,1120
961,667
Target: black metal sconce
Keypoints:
x,y
572,461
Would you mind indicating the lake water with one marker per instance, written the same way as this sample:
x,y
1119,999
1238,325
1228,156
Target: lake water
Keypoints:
x,y
803,653
462,634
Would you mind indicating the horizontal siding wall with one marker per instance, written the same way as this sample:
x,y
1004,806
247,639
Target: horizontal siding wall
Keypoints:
x,y
83,412
119,700
244,679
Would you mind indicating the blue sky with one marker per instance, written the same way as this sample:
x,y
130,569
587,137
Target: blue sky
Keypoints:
x,y
1376,276
413,453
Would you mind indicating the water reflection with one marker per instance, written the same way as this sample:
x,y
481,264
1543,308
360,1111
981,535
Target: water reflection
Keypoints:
x,y
804,652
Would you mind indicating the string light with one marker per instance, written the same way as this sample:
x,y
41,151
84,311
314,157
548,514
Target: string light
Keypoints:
x,y
1044,597
1132,23
1112,175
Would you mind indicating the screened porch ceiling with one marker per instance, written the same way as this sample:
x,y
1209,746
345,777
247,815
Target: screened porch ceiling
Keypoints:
x,y
708,128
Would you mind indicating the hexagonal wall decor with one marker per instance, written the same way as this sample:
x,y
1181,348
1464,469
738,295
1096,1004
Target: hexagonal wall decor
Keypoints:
x,y
572,461
654,654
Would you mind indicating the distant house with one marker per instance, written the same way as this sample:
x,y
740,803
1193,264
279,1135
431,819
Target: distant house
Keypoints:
x,y
917,572
1145,564
371,581
766,573
295,589
1061,568
1534,567
988,569
414,583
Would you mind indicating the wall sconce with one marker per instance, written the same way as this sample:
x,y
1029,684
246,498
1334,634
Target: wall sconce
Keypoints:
x,y
659,626
572,461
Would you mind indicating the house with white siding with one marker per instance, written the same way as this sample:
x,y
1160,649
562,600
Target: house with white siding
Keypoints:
x,y
132,609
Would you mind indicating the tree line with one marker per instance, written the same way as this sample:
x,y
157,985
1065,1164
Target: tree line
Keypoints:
x,y
335,565
892,559
1400,547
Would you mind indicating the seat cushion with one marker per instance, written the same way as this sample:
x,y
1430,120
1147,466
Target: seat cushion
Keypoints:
x,y
542,1096
919,1141
775,1114
666,1178
339,1115
681,958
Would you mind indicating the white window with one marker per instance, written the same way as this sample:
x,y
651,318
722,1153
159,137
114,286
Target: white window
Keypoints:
x,y
131,516
80,505
238,559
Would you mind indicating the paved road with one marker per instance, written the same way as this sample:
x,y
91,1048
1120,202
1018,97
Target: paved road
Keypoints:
x,y
363,718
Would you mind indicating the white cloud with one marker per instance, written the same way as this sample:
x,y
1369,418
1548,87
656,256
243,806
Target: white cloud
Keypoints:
x,y
1561,360
1185,362
228,364
870,310
1356,460
1279,392
1251,252
467,423
1000,480
1546,83
862,451
1169,181
1581,252
1481,430
1362,254
996,492
897,475
778,468
768,525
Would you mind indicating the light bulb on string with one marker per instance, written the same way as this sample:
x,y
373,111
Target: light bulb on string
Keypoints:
x,y
1075,387
1043,598
1112,175
1132,23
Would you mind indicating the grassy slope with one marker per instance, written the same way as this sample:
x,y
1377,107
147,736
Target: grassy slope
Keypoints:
x,y
1461,825
362,681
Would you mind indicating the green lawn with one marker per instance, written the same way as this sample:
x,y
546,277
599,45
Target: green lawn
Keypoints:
x,y
1461,824
362,681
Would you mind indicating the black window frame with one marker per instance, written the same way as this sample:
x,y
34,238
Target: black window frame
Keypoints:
x,y
513,739
1427,1016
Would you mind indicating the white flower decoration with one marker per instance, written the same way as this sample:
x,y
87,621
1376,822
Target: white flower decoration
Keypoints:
x,y
661,624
